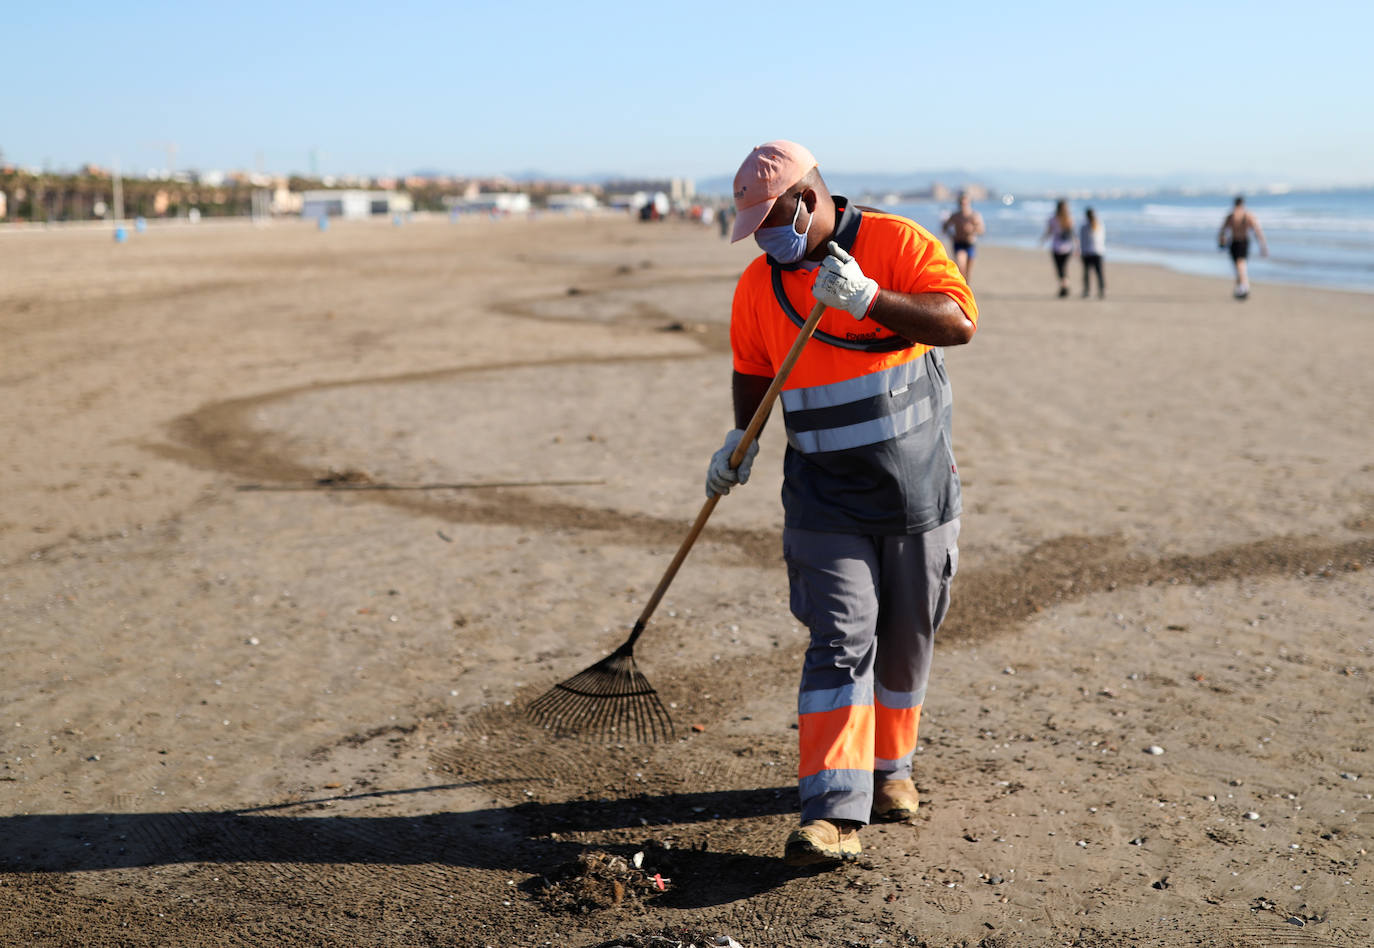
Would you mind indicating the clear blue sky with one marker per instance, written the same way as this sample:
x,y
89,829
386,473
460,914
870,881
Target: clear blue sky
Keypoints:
x,y
1263,91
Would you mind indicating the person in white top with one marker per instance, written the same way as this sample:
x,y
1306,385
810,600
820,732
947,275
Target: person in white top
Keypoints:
x,y
1059,232
1092,244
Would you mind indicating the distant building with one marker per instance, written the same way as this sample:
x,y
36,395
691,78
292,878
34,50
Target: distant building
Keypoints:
x,y
572,202
353,203
281,200
937,192
679,190
500,202
637,201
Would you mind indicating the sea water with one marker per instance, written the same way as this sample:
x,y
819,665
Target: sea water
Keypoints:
x,y
1316,238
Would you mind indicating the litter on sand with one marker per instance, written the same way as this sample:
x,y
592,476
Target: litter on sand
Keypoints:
x,y
672,939
598,880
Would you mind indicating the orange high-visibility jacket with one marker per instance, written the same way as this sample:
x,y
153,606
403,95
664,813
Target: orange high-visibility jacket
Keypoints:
x,y
867,412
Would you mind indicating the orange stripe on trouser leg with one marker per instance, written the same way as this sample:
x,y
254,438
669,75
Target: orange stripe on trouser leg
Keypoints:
x,y
896,731
836,740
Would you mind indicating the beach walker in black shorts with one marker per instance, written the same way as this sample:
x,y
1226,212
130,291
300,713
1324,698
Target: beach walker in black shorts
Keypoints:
x,y
1236,230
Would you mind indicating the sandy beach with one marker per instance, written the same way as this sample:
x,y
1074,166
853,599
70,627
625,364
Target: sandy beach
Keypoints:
x,y
247,703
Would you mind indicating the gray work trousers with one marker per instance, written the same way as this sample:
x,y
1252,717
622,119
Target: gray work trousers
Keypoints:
x,y
873,605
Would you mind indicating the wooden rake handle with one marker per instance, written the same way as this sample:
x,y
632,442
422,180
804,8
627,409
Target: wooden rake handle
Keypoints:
x,y
750,433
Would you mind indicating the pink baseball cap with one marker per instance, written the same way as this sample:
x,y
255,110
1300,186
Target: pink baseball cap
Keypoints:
x,y
765,176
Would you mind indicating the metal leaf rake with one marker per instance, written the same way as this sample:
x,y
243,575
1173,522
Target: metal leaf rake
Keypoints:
x,y
612,700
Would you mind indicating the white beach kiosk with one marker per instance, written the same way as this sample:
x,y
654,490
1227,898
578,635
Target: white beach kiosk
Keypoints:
x,y
354,204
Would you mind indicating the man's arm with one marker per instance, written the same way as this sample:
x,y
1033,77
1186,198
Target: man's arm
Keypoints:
x,y
978,224
931,319
1259,233
748,392
1221,234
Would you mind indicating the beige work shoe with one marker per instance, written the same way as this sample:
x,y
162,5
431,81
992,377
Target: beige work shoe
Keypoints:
x,y
821,841
895,801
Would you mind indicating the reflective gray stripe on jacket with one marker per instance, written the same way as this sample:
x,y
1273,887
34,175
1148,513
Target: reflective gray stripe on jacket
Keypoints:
x,y
859,411
872,454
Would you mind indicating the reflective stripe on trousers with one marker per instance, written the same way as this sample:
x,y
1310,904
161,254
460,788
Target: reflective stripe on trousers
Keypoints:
x,y
873,605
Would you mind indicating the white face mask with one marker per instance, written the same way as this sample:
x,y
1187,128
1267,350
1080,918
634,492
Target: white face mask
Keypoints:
x,y
783,243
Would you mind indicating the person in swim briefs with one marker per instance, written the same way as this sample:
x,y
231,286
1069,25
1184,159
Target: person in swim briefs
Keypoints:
x,y
1235,235
963,227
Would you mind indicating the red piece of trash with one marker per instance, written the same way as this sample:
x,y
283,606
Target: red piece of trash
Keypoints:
x,y
659,880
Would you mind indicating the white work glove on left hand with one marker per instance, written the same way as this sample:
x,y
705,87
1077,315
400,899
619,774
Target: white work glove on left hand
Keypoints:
x,y
841,283
720,477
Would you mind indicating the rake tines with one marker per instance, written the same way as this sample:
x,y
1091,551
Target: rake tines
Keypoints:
x,y
611,700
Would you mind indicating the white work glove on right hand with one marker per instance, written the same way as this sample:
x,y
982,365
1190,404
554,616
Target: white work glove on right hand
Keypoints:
x,y
841,283
720,477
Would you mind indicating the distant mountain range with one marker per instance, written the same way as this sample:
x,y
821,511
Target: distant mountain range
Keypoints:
x,y
995,180
841,182
1012,181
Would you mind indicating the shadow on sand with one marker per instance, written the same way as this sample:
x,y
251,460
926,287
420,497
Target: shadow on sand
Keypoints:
x,y
520,839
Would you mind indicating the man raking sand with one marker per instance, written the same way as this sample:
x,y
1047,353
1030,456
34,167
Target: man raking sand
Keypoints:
x,y
870,490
